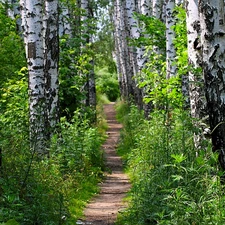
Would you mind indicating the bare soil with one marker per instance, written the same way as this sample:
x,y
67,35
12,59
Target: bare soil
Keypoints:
x,y
103,209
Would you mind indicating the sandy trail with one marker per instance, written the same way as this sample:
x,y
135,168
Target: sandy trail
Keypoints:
x,y
103,209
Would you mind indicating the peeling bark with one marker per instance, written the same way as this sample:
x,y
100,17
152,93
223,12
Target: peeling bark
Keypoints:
x,y
51,59
213,45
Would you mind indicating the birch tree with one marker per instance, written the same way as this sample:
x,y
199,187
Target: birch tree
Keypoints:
x,y
33,25
121,46
51,59
87,27
157,9
213,46
196,82
41,44
170,35
14,12
134,51
65,19
144,9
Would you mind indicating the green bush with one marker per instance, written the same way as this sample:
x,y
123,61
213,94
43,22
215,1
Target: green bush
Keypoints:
x,y
107,83
50,191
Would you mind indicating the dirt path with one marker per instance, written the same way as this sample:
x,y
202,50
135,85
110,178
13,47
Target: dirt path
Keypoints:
x,y
103,209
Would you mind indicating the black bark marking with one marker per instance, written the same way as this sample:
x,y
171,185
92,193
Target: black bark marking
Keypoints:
x,y
197,45
216,47
32,50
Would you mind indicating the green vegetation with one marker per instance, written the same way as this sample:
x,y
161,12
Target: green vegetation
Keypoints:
x,y
171,182
107,84
54,189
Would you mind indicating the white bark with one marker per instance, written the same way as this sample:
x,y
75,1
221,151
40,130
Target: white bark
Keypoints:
x,y
157,9
42,51
170,35
32,16
144,9
194,55
213,44
120,35
134,34
179,2
14,12
196,82
51,58
89,87
64,20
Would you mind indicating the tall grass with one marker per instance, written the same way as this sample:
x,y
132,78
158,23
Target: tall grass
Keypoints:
x,y
171,184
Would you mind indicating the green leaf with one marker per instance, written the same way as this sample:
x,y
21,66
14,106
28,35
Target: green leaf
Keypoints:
x,y
179,158
10,222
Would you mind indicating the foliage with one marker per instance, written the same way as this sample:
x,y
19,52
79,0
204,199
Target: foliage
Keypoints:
x,y
153,32
159,90
104,44
106,83
71,82
54,190
12,54
171,185
180,41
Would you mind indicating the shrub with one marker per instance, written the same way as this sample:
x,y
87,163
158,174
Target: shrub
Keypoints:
x,y
106,83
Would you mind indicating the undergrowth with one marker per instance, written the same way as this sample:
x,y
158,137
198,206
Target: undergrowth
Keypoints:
x,y
172,182
53,190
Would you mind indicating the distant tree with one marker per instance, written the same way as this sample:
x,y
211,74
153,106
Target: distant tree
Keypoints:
x,y
170,35
87,16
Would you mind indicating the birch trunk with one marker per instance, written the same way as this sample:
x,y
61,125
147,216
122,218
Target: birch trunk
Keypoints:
x,y
130,29
145,8
119,23
213,45
64,20
116,34
85,41
134,34
42,52
51,59
170,35
32,24
157,9
14,12
87,28
196,82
